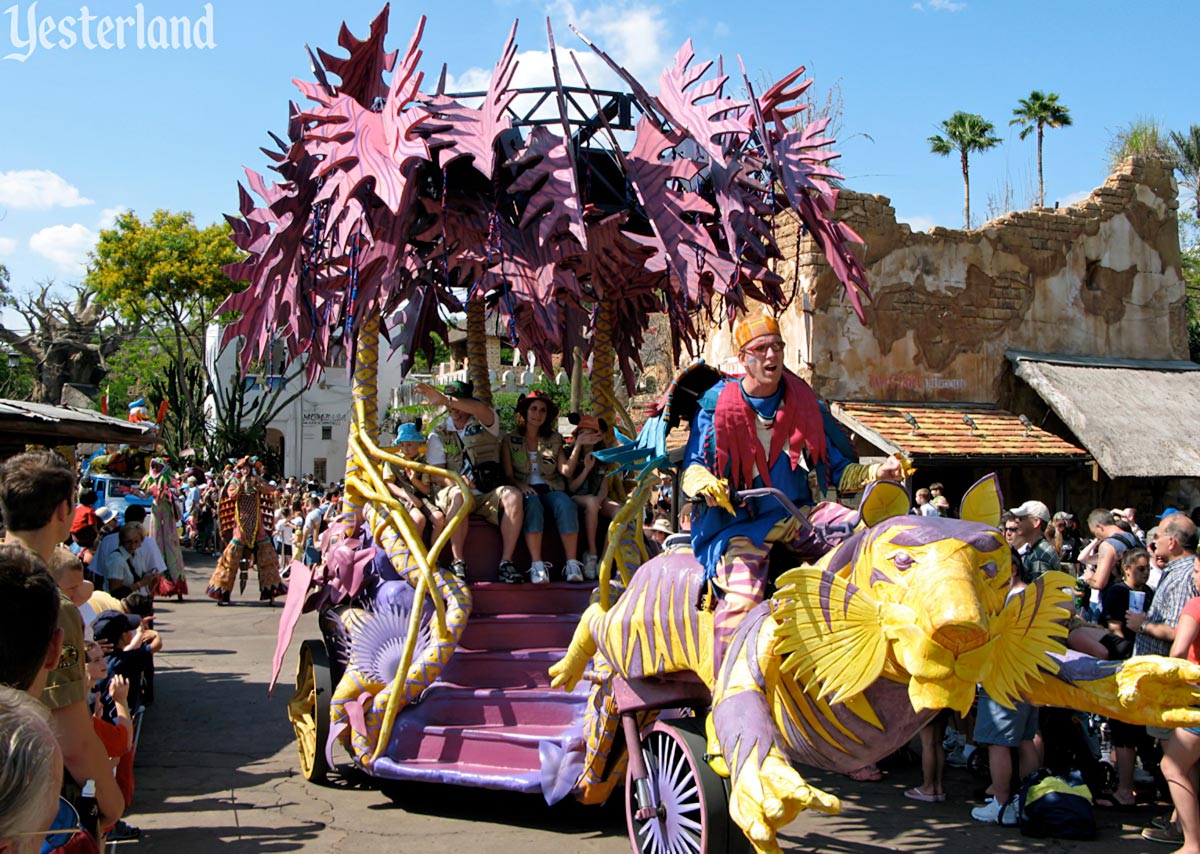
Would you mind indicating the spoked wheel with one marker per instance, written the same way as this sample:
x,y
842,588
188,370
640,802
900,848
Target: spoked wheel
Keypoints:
x,y
309,710
690,800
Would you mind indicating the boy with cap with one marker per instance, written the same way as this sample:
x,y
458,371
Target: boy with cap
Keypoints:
x,y
1038,555
133,648
467,441
412,488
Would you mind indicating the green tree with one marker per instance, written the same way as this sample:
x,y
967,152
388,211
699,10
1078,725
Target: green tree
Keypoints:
x,y
1038,112
132,370
1141,137
1189,261
1187,160
167,272
965,133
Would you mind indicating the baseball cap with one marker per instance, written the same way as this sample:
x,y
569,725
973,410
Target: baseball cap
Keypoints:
x,y
1032,508
1170,511
110,625
459,388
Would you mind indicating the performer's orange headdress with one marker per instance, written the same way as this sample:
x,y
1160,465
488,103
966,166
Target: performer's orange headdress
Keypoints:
x,y
753,327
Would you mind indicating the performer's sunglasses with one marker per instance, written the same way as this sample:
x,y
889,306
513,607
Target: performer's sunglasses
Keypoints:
x,y
776,346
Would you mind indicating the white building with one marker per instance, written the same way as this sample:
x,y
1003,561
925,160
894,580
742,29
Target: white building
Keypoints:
x,y
311,433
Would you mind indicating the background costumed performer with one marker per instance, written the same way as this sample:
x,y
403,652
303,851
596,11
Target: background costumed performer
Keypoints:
x,y
162,526
245,516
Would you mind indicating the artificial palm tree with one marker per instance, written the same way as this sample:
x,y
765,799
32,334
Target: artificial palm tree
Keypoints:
x,y
1187,160
964,133
1040,111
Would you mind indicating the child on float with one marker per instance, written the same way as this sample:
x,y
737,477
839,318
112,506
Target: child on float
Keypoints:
x,y
412,488
588,486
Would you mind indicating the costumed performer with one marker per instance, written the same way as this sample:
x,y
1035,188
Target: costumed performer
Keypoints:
x,y
163,527
245,516
766,429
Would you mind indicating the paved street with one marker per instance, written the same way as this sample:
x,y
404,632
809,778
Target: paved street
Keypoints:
x,y
217,772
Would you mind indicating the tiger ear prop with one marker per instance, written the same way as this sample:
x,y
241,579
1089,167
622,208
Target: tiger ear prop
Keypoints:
x,y
883,500
983,502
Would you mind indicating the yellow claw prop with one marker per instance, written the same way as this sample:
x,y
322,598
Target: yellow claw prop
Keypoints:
x,y
765,799
1165,686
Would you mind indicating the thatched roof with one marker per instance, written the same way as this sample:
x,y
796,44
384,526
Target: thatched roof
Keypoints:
x,y
1136,418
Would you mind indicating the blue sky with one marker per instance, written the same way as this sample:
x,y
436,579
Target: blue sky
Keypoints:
x,y
90,132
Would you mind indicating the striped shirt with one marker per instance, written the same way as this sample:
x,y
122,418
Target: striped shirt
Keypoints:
x,y
1173,592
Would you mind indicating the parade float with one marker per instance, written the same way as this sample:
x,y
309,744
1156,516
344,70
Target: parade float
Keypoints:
x,y
564,217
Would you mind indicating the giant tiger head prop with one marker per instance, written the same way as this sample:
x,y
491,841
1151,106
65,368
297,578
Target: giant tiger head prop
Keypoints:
x,y
921,600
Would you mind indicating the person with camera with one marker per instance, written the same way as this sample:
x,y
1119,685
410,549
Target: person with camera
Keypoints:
x,y
467,441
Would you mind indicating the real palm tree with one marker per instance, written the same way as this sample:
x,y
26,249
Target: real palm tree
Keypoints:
x,y
964,133
1037,112
1187,160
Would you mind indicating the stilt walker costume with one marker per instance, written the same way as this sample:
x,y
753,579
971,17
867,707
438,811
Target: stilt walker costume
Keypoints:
x,y
245,516
163,527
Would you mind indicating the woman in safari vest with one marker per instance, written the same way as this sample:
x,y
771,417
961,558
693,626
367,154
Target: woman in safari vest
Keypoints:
x,y
535,461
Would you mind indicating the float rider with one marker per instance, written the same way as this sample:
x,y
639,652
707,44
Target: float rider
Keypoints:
x,y
467,441
765,429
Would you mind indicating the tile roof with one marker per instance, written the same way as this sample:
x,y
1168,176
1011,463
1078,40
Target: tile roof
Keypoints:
x,y
944,432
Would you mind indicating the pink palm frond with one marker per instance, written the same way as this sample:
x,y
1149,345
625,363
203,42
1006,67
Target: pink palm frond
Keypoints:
x,y
550,180
361,73
474,132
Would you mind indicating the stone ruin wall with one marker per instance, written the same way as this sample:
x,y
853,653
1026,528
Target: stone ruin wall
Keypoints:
x,y
1099,278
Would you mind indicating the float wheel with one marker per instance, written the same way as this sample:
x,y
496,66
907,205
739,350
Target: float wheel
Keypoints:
x,y
690,800
309,710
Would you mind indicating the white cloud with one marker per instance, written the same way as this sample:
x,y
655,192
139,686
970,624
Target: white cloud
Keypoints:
x,y
7,245
66,245
1073,198
940,6
721,29
108,216
918,223
633,34
38,189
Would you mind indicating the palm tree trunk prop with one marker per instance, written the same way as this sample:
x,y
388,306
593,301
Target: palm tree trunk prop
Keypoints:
x,y
477,358
604,398
365,415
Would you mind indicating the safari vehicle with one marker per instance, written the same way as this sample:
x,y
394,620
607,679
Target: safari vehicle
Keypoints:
x,y
118,490
572,218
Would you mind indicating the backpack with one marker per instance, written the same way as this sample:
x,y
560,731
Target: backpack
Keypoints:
x,y
1056,805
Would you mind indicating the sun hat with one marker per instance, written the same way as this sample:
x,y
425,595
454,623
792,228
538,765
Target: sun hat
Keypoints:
x,y
408,432
662,526
537,394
